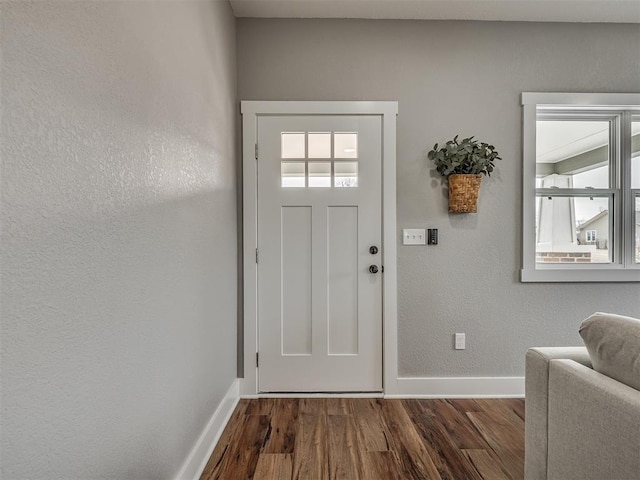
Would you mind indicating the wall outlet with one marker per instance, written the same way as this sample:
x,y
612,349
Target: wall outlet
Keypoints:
x,y
460,341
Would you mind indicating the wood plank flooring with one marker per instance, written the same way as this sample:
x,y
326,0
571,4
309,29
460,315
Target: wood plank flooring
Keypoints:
x,y
371,439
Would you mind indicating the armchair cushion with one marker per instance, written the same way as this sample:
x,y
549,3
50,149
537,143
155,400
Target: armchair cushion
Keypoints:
x,y
613,343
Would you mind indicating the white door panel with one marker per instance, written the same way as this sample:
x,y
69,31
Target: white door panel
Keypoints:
x,y
319,212
342,282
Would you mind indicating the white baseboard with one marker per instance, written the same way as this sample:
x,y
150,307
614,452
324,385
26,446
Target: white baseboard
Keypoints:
x,y
314,395
199,455
458,387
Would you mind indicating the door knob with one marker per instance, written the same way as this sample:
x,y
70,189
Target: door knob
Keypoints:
x,y
373,250
373,269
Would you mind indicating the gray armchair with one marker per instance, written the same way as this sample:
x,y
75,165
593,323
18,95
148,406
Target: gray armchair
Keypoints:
x,y
579,424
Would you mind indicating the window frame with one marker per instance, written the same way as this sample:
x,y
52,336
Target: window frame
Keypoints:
x,y
620,109
634,194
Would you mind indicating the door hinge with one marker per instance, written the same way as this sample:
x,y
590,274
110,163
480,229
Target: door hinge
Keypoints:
x,y
256,151
257,359
256,255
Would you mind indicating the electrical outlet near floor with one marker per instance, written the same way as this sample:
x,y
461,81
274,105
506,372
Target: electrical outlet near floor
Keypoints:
x,y
460,341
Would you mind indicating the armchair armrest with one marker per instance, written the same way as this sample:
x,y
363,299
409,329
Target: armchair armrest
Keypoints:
x,y
537,404
594,425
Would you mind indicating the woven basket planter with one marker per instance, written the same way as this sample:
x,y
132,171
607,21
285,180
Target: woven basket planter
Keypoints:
x,y
463,193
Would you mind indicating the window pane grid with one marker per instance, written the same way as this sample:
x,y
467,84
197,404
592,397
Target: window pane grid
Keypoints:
x,y
576,183
325,159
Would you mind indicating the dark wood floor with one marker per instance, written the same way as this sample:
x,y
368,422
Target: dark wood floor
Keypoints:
x,y
362,438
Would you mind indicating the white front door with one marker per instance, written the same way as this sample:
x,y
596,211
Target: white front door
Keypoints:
x,y
319,253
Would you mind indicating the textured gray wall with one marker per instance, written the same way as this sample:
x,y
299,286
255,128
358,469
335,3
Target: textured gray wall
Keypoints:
x,y
118,234
450,78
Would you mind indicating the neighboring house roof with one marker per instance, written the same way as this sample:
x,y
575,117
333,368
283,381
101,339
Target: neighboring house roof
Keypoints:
x,y
585,224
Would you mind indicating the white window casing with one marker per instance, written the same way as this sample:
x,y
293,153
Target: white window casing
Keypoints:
x,y
620,242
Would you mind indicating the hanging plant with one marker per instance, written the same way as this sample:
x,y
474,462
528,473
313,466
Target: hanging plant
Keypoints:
x,y
463,163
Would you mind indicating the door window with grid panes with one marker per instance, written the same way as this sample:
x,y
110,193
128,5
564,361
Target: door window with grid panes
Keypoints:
x,y
319,159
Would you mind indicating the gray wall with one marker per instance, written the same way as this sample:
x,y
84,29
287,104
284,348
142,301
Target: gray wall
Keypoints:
x,y
118,234
456,78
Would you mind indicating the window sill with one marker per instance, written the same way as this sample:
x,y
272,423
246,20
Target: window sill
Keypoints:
x,y
579,276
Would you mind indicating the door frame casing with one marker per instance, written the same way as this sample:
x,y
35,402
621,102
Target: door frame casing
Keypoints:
x,y
251,111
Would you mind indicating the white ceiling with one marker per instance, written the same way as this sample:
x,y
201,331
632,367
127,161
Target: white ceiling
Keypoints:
x,y
612,11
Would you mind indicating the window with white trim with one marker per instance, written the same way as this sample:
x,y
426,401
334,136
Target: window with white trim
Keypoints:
x,y
581,190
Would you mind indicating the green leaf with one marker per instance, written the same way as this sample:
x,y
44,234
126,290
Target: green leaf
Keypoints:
x,y
464,156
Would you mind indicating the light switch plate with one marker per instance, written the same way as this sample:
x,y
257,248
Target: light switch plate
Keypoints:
x,y
413,236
